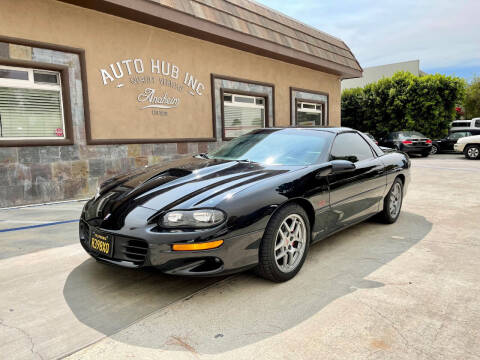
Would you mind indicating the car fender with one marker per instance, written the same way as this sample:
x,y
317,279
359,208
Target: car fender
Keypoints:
x,y
261,201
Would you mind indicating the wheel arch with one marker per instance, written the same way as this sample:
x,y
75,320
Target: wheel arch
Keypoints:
x,y
305,204
401,177
470,144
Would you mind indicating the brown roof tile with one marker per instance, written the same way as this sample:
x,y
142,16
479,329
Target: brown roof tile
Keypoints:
x,y
256,20
241,24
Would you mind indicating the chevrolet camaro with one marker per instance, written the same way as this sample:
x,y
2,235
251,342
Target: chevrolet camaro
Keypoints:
x,y
259,201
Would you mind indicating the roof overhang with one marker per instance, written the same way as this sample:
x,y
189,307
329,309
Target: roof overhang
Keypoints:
x,y
154,14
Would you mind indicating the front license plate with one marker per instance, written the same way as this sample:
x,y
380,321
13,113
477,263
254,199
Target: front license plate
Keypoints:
x,y
101,243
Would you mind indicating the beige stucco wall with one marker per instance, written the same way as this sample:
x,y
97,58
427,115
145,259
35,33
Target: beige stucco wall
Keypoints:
x,y
115,111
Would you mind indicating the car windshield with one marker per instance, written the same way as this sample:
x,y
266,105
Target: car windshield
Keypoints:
x,y
411,135
277,147
458,135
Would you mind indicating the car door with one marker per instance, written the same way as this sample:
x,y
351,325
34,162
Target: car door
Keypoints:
x,y
388,141
356,194
452,139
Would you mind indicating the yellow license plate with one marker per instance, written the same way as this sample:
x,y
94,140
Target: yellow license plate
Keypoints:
x,y
102,244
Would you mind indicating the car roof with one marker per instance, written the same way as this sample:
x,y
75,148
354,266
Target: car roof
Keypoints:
x,y
405,131
335,130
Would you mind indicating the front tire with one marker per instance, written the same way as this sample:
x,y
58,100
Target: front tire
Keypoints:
x,y
472,152
392,204
284,245
434,150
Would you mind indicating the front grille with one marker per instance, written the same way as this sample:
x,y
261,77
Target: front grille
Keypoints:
x,y
125,249
133,249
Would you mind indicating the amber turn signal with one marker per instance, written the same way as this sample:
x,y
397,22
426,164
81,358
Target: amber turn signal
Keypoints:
x,y
197,246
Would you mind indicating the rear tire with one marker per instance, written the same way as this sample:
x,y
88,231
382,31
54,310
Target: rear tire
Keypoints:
x,y
472,152
392,204
285,244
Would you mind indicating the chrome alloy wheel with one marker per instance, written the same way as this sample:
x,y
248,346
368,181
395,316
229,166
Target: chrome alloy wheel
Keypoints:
x,y
395,200
433,150
290,243
473,152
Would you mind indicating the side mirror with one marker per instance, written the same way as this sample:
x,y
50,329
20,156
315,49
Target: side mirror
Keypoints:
x,y
342,166
336,167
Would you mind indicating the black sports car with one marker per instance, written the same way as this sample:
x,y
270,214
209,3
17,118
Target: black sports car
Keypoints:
x,y
411,142
446,144
257,202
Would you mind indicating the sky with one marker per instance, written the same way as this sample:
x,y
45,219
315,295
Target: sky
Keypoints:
x,y
443,34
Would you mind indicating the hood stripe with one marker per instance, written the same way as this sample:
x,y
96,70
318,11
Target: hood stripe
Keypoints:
x,y
236,186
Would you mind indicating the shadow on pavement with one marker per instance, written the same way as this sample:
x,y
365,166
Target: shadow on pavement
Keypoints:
x,y
108,298
244,309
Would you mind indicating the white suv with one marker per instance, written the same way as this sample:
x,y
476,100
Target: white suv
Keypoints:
x,y
470,146
465,125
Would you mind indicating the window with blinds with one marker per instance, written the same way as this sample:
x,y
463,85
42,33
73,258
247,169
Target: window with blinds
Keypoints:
x,y
30,104
310,114
242,114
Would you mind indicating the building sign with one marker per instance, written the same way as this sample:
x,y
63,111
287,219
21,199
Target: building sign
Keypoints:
x,y
161,84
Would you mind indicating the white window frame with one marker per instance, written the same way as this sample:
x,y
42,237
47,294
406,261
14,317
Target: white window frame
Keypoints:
x,y
302,108
31,84
240,104
234,101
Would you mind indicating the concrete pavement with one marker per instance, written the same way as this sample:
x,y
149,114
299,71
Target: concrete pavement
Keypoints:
x,y
404,291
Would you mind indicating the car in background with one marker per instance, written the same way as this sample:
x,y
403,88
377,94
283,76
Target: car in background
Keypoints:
x,y
469,146
446,144
411,142
466,125
371,137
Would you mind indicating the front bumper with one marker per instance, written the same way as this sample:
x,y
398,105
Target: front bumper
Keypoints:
x,y
459,147
155,250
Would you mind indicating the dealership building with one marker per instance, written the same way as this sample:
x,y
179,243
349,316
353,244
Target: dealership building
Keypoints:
x,y
90,89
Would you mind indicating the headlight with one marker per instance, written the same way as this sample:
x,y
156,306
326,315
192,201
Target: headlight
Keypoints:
x,y
201,218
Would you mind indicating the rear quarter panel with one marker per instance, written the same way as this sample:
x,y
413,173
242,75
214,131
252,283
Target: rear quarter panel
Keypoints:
x,y
396,164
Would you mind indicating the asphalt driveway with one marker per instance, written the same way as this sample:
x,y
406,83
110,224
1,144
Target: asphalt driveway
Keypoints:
x,y
404,291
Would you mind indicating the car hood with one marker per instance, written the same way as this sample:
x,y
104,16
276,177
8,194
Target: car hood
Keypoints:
x,y
467,139
185,183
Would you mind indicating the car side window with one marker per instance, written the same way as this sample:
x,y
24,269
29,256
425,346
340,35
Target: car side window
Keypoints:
x,y
351,147
458,135
455,136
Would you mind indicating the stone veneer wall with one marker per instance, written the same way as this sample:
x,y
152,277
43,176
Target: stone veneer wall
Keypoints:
x,y
52,173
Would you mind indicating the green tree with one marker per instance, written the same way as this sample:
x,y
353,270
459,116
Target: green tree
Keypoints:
x,y
472,99
403,102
